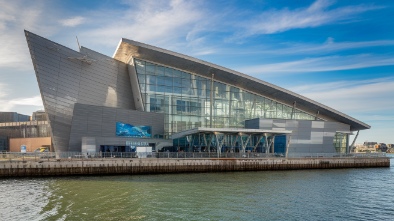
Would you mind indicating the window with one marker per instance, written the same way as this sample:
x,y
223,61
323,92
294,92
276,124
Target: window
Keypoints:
x,y
185,99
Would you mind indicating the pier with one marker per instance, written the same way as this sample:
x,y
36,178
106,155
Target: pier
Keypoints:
x,y
131,166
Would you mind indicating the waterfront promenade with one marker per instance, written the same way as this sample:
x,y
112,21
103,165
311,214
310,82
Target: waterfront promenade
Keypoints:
x,y
47,166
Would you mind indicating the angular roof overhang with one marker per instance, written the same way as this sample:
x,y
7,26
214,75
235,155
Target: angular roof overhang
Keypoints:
x,y
128,49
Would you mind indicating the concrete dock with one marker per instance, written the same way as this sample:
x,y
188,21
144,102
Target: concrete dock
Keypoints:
x,y
70,167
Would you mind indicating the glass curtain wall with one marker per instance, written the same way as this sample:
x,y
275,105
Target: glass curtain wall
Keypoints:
x,y
185,99
340,141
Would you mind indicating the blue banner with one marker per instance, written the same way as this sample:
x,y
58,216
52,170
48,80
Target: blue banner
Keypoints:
x,y
128,130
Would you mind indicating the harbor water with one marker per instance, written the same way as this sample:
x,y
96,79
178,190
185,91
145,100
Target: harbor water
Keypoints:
x,y
322,194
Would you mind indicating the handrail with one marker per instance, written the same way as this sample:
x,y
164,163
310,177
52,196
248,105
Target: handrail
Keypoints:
x,y
40,156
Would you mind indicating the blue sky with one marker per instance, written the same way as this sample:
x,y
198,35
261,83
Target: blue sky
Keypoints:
x,y
339,53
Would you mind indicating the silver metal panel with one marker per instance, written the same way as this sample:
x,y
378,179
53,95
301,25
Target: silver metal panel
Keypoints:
x,y
307,136
317,124
278,124
64,80
305,124
317,129
317,137
252,124
266,123
329,134
291,123
304,135
100,122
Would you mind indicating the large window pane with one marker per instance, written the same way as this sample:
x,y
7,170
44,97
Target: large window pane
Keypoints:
x,y
150,68
185,99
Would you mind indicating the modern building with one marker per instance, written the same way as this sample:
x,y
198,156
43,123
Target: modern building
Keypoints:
x,y
149,96
32,134
13,117
39,115
8,121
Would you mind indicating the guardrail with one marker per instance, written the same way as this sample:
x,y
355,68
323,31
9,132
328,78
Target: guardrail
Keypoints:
x,y
38,156
330,155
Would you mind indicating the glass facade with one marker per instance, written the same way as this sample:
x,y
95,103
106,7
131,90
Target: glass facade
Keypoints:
x,y
201,142
186,99
340,142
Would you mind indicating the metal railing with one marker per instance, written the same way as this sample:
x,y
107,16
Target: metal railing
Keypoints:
x,y
333,155
40,156
214,155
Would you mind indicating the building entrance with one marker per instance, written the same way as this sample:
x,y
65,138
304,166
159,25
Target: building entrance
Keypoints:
x,y
231,140
114,149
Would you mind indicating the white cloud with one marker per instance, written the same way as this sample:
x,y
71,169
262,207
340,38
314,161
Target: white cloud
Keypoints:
x,y
14,17
30,101
380,133
162,23
330,46
327,47
370,101
317,14
328,63
3,89
312,88
356,97
7,104
72,22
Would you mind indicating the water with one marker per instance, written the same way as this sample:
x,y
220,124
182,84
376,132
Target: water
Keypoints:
x,y
338,194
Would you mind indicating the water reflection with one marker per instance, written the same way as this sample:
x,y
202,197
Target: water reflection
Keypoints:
x,y
348,194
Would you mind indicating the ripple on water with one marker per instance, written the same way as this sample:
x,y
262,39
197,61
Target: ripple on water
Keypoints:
x,y
22,198
348,194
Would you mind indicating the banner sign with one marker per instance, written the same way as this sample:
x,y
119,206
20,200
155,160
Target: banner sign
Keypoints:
x,y
136,143
128,130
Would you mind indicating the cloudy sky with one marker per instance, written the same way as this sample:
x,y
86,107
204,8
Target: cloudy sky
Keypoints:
x,y
339,53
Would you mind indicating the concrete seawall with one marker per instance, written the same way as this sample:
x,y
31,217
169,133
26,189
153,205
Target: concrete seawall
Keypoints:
x,y
157,166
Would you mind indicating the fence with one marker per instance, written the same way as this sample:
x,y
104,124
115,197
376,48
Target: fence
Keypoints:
x,y
35,156
330,155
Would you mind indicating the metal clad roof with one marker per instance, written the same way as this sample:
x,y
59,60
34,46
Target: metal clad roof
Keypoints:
x,y
128,48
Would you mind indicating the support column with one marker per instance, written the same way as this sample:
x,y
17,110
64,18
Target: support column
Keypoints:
x,y
257,143
234,142
347,144
273,144
210,142
244,144
270,145
293,109
266,143
219,143
288,145
199,142
188,139
205,141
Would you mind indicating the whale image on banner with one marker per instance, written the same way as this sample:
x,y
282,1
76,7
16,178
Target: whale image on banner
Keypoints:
x,y
128,130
